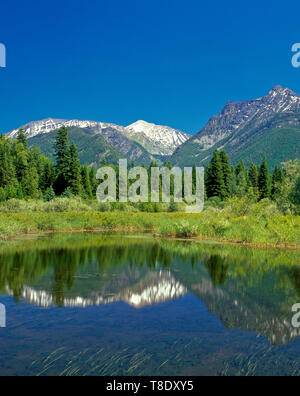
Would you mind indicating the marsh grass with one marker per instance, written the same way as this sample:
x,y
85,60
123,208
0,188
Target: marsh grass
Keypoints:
x,y
238,221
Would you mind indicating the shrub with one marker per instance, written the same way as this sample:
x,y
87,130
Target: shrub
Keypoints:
x,y
49,195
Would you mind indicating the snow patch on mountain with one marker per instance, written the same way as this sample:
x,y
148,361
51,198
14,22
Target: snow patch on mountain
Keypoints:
x,y
237,116
48,125
157,139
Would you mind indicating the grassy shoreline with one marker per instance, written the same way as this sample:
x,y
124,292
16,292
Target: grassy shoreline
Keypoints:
x,y
257,231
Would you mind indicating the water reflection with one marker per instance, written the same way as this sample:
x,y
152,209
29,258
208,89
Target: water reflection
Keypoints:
x,y
157,287
246,289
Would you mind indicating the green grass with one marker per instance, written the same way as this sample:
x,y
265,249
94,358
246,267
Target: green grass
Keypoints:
x,y
239,221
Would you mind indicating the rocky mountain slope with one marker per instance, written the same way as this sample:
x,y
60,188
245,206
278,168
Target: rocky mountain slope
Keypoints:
x,y
249,130
95,140
156,139
48,125
98,140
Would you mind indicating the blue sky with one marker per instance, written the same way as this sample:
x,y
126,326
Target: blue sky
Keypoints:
x,y
170,62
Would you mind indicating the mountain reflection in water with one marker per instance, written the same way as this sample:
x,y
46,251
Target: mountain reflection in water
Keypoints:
x,y
157,287
245,289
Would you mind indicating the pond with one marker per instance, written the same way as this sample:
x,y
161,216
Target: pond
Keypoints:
x,y
108,304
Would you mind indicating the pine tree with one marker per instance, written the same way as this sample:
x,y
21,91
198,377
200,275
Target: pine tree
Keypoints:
x,y
38,159
21,159
74,177
227,175
263,180
22,138
240,168
85,180
7,168
253,176
215,186
47,177
67,193
241,179
295,195
62,154
93,181
30,182
49,194
194,178
277,181
20,194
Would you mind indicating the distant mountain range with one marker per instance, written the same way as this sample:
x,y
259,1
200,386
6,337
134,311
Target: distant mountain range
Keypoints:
x,y
247,130
139,142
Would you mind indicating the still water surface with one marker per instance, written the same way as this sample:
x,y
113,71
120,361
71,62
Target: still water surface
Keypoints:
x,y
94,304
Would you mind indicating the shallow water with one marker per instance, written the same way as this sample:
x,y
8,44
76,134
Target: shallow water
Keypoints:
x,y
94,304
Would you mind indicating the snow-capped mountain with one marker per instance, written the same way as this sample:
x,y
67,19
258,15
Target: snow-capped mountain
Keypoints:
x,y
156,139
269,126
95,141
49,125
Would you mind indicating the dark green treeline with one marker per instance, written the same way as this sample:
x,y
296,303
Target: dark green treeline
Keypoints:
x,y
222,180
26,173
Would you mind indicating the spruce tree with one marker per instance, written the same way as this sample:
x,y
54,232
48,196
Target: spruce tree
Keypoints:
x,y
47,177
263,180
295,195
227,175
253,176
62,154
194,178
49,194
22,138
30,182
20,194
241,179
277,180
86,183
7,168
240,168
94,182
74,181
215,186
21,161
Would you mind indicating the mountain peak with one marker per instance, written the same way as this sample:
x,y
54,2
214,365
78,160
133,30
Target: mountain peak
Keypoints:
x,y
250,130
157,139
140,125
279,90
